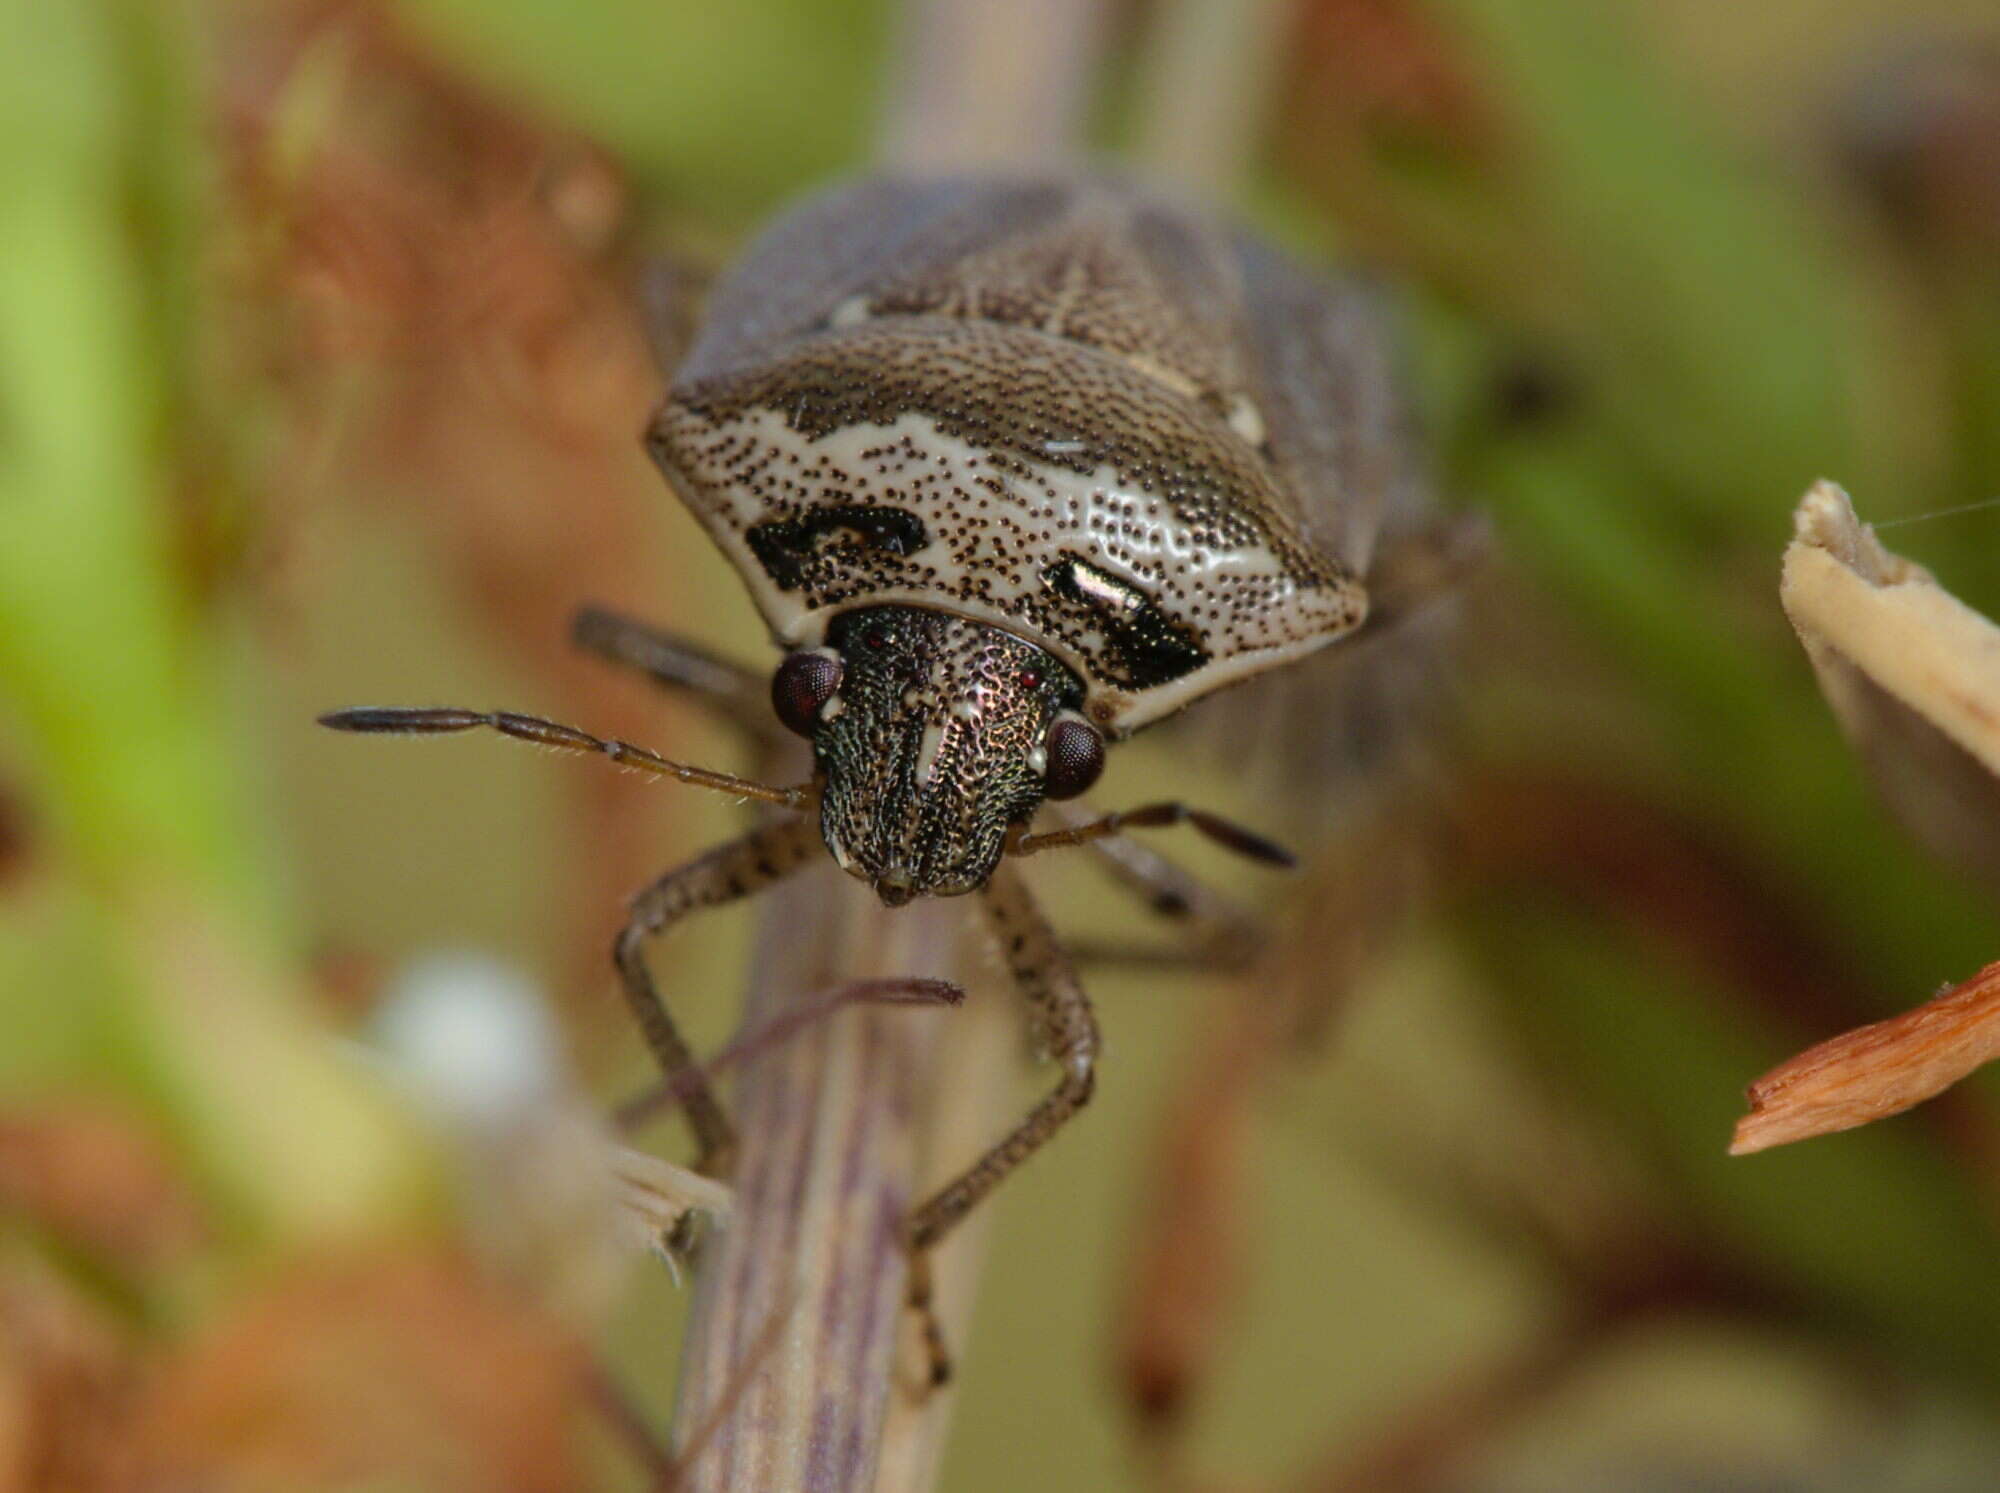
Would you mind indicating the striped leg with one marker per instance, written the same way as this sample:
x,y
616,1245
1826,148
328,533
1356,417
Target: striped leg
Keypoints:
x,y
724,874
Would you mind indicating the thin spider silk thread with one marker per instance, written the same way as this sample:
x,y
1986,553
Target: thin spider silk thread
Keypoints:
x,y
1918,518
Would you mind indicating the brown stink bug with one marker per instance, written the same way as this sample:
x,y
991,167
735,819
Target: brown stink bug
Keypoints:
x,y
1012,467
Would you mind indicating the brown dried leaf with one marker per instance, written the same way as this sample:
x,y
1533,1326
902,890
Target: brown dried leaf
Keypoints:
x,y
67,1380
433,280
1877,1070
406,1367
13,835
1386,67
97,1177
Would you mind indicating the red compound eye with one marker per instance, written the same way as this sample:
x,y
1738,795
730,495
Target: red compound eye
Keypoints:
x,y
1075,754
803,684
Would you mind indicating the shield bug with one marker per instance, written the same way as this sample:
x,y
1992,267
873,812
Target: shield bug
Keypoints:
x,y
1012,468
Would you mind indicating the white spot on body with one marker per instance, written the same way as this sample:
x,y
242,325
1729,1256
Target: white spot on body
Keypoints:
x,y
850,313
1111,598
928,748
1160,373
1247,420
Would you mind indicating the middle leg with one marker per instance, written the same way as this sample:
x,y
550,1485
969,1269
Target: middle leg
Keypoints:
x,y
1214,932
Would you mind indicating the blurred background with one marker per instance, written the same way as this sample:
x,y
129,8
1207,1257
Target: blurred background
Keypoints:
x,y
320,383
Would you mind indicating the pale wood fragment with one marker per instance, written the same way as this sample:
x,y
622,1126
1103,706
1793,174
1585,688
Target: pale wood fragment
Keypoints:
x,y
1867,616
1875,1071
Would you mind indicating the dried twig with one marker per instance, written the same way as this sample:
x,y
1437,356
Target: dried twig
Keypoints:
x,y
1188,1255
1868,617
1875,1071
1206,81
991,85
831,1124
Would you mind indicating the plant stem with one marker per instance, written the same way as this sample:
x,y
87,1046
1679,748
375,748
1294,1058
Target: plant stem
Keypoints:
x,y
802,1366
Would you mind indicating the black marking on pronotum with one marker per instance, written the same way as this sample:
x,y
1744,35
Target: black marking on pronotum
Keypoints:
x,y
784,546
1151,646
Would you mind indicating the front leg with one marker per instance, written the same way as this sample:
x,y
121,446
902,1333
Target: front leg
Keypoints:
x,y
1064,1028
724,874
739,696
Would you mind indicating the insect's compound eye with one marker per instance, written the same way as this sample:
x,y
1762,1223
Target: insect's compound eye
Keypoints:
x,y
1075,752
802,686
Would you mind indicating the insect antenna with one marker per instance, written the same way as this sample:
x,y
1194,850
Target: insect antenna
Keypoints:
x,y
1224,832
435,721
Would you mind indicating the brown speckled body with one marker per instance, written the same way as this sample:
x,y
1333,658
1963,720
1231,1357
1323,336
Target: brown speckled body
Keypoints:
x,y
1066,409
1011,468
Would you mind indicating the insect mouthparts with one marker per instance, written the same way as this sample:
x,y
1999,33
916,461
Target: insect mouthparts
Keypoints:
x,y
895,887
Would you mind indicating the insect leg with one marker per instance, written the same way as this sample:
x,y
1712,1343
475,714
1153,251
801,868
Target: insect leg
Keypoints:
x,y
1226,833
1217,933
738,695
1064,1028
724,874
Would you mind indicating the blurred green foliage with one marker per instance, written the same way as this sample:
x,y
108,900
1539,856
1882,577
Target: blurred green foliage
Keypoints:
x,y
732,107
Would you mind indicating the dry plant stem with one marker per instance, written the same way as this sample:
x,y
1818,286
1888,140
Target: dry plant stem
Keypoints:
x,y
849,1124
1875,1071
828,1169
672,1092
1862,611
977,84
1206,78
1188,1256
